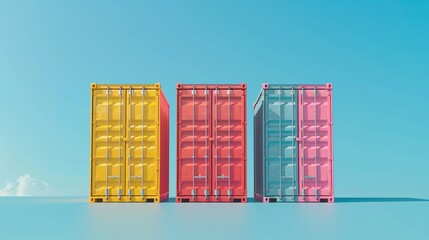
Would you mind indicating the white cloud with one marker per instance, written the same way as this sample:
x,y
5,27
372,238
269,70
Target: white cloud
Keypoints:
x,y
26,186
7,191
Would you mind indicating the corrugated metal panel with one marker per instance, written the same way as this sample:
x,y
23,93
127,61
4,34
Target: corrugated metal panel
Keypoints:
x,y
281,147
107,143
194,147
211,143
315,146
125,143
285,143
258,150
164,146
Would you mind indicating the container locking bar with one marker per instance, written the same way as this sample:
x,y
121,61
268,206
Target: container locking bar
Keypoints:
x,y
107,142
279,92
142,188
302,140
193,141
216,93
120,143
229,192
229,142
206,92
315,138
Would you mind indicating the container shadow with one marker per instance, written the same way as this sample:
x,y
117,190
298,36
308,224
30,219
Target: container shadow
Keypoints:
x,y
252,200
343,200
169,200
378,199
249,200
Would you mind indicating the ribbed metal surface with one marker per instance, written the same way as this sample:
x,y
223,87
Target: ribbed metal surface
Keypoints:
x,y
293,143
126,143
211,143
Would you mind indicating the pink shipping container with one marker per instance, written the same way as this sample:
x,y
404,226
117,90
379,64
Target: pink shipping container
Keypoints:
x,y
316,181
293,143
211,143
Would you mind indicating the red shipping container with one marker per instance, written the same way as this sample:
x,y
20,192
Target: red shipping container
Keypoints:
x,y
211,143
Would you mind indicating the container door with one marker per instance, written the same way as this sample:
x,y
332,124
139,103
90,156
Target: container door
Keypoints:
x,y
281,148
229,142
315,148
108,145
194,135
142,131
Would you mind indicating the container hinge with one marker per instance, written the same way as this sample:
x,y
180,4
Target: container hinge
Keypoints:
x,y
303,192
108,92
119,193
193,92
120,92
112,176
206,92
315,192
206,192
129,192
228,91
216,192
107,192
279,192
143,91
279,92
193,192
142,192
130,91
229,192
216,92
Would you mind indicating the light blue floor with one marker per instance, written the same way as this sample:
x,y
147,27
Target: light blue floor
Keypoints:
x,y
348,218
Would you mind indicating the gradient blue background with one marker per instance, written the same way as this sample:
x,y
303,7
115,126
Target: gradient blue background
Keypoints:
x,y
376,54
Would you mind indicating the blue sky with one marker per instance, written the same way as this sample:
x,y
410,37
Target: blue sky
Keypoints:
x,y
376,54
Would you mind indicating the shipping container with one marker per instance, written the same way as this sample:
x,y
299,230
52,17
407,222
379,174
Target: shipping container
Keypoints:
x,y
211,143
129,143
293,154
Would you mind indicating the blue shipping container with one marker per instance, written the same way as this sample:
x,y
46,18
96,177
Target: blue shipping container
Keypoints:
x,y
275,149
293,157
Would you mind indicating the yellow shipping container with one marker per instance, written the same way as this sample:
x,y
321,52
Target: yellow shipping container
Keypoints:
x,y
129,143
